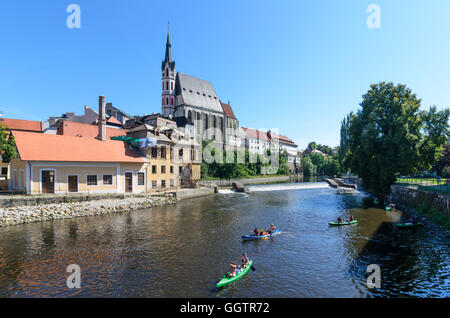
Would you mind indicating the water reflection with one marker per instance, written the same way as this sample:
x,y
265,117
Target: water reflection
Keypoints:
x,y
183,250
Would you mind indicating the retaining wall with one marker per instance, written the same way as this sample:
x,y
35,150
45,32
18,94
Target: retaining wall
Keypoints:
x,y
229,183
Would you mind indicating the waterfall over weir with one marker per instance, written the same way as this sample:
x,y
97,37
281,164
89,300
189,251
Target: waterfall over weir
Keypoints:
x,y
288,186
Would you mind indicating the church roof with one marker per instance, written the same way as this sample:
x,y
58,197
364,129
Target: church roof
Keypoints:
x,y
228,110
197,92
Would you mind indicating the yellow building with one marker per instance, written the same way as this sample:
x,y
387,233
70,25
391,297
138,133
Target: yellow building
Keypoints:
x,y
174,159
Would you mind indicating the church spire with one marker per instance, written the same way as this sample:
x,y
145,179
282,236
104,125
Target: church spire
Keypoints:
x,y
168,81
168,56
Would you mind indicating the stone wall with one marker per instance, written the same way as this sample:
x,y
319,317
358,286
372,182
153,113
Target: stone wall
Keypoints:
x,y
414,197
193,193
24,200
229,183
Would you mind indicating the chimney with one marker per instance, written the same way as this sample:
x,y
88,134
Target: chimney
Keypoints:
x,y
101,119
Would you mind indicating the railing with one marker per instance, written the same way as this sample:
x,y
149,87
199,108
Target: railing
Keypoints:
x,y
439,185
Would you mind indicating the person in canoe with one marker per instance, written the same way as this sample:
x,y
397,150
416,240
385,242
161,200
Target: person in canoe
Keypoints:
x,y
262,232
350,218
271,229
255,231
244,260
339,220
232,270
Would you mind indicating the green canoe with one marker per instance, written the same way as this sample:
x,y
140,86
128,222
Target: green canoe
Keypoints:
x,y
228,280
407,225
343,223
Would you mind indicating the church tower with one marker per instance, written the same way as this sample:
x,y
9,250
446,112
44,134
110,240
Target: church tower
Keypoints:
x,y
168,81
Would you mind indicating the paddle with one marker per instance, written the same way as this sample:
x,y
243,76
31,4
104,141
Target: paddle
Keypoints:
x,y
252,268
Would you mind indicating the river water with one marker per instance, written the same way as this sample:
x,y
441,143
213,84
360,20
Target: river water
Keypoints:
x,y
183,250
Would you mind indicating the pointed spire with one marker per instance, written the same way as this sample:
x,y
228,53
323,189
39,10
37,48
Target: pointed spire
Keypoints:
x,y
168,56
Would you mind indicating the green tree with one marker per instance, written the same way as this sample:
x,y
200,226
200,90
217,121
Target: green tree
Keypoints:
x,y
308,168
312,145
389,135
344,151
7,145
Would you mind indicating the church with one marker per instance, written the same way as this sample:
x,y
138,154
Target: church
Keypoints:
x,y
193,101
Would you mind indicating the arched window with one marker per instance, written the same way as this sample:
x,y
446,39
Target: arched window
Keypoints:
x,y
171,102
171,85
167,101
167,87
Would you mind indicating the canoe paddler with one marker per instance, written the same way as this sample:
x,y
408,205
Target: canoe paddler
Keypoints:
x,y
339,220
272,229
244,260
255,231
232,270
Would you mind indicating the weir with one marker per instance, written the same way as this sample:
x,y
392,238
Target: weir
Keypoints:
x,y
285,187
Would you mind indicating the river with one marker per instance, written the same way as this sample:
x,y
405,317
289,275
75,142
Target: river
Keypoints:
x,y
183,250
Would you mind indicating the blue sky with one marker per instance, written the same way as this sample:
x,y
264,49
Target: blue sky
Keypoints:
x,y
299,66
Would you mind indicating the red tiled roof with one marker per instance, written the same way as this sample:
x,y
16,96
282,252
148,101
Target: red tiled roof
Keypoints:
x,y
253,133
69,128
20,124
46,147
113,120
282,139
228,110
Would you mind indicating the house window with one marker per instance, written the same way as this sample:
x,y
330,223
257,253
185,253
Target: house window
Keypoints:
x,y
107,179
180,169
154,169
163,184
163,153
171,85
4,171
180,153
141,178
172,182
154,183
92,180
163,169
154,152
171,169
192,154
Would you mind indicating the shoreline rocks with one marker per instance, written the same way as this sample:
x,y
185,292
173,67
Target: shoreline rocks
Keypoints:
x,y
15,215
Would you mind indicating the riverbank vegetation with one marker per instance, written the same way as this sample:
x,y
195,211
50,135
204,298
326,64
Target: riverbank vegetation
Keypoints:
x,y
250,165
320,160
7,145
391,136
